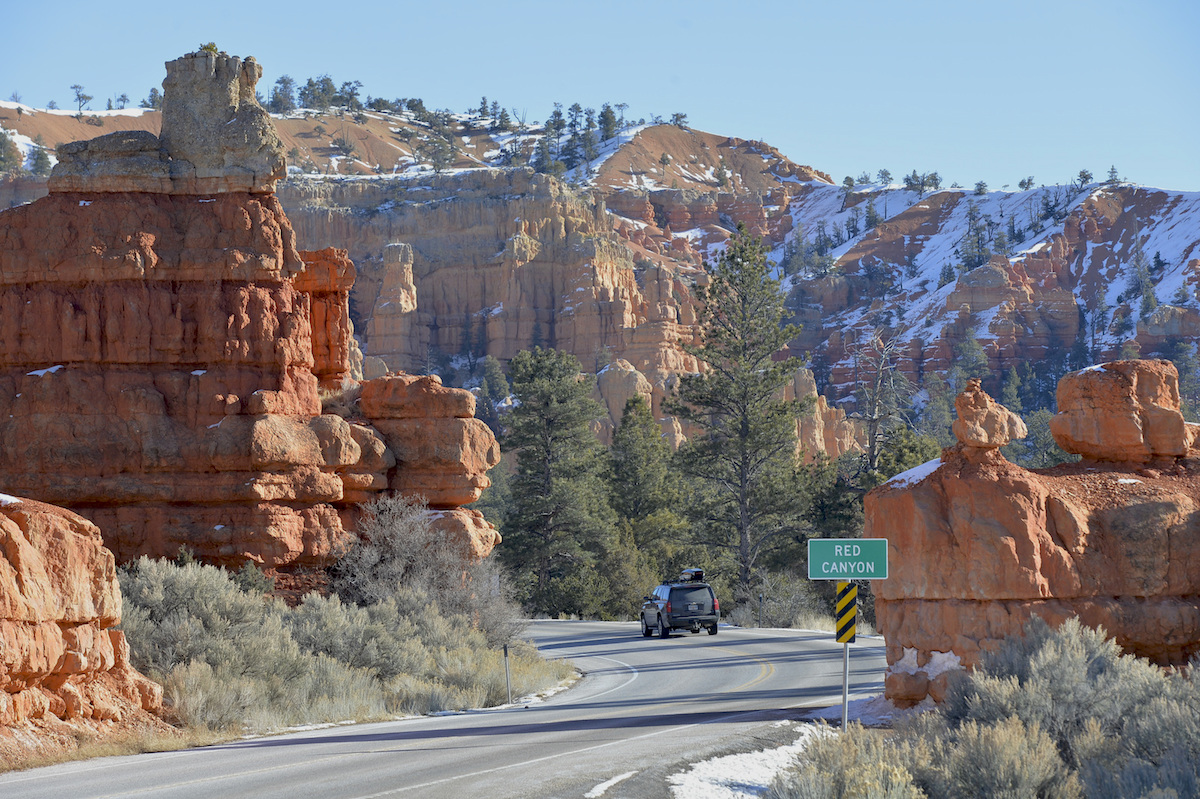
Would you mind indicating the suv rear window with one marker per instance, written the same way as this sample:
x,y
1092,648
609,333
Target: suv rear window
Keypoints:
x,y
683,596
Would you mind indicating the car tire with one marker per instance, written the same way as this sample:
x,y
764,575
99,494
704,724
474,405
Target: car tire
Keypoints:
x,y
646,631
712,630
663,630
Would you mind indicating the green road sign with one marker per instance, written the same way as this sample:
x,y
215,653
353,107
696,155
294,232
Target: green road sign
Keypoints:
x,y
847,558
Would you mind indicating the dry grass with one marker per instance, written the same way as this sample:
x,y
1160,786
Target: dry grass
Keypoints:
x,y
85,745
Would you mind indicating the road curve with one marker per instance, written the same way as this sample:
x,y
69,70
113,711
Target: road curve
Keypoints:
x,y
644,708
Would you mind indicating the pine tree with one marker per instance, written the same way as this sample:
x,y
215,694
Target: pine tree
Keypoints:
x,y
559,519
642,482
40,162
847,190
905,449
608,122
973,246
81,99
493,390
873,218
744,456
1010,393
969,361
938,414
721,174
11,162
946,275
283,95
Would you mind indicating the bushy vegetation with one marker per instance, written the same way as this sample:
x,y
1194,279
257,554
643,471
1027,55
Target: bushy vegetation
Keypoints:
x,y
1057,713
234,659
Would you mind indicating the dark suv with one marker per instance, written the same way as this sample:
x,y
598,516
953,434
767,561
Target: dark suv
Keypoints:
x,y
684,604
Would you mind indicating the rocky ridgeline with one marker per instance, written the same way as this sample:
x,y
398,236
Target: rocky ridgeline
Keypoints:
x,y
164,348
979,545
1023,308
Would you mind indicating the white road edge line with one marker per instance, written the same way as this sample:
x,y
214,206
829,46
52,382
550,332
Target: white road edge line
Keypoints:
x,y
605,745
618,687
599,790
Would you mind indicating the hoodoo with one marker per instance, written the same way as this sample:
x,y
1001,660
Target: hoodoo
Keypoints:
x,y
164,347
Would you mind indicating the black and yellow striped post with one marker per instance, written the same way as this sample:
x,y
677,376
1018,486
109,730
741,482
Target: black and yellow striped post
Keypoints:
x,y
847,612
846,615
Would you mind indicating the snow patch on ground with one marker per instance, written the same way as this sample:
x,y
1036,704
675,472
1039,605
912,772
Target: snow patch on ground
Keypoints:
x,y
737,776
6,499
750,774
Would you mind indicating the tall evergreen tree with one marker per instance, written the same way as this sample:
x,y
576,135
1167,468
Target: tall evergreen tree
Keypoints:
x,y
283,95
969,361
744,456
559,518
608,122
938,413
39,163
493,390
642,481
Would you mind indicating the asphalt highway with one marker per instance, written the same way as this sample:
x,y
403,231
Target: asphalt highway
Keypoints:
x,y
645,708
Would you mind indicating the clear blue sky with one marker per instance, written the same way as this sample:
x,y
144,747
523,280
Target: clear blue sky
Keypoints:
x,y
977,91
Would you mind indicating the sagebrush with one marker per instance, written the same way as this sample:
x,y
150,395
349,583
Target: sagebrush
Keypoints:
x,y
1057,714
232,659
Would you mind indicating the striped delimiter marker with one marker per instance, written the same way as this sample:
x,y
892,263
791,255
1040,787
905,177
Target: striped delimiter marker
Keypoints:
x,y
847,611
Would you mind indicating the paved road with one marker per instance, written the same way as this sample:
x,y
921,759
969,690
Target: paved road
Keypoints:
x,y
645,709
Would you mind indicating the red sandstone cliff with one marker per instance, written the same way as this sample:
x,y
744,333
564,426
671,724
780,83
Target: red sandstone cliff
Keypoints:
x,y
163,344
978,545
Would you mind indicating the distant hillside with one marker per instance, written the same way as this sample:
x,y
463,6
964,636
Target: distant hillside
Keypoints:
x,y
1044,279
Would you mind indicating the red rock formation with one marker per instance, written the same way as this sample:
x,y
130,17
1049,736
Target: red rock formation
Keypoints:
x,y
167,345
61,657
1122,411
824,431
978,545
327,279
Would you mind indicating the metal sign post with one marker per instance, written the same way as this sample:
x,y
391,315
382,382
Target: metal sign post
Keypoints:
x,y
847,615
845,559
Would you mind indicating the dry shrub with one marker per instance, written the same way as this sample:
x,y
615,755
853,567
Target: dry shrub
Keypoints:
x,y
1056,713
398,550
342,400
236,660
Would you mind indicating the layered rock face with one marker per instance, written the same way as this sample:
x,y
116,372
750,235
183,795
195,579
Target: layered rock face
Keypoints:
x,y
163,346
494,262
979,545
61,657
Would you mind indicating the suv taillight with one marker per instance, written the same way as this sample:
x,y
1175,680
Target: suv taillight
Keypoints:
x,y
716,605
668,607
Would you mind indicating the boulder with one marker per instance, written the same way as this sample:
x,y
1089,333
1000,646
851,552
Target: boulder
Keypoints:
x,y
1122,411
